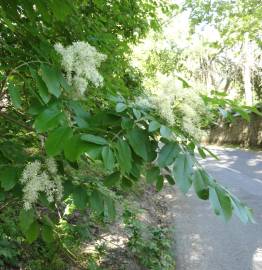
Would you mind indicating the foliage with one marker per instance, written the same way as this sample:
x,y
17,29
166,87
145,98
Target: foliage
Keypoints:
x,y
177,103
234,21
150,244
222,107
98,140
232,18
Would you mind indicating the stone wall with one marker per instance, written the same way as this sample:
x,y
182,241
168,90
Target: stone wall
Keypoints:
x,y
240,132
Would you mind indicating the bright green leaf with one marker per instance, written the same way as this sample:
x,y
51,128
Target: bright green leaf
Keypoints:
x,y
182,170
41,87
74,147
8,178
51,77
140,143
94,139
49,119
167,154
56,140
124,155
108,158
200,185
220,202
15,95
61,9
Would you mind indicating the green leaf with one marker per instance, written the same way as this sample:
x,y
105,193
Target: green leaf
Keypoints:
x,y
211,153
108,158
126,183
56,140
8,178
74,147
15,95
153,126
200,184
47,234
136,171
167,154
61,9
49,119
159,183
93,150
201,152
42,90
80,197
94,139
220,202
165,132
152,175
96,201
241,210
170,180
124,156
137,113
120,107
41,86
113,179
52,78
127,123
26,219
140,143
110,207
182,170
32,233
243,113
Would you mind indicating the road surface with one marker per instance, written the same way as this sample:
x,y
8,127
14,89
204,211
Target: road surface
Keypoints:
x,y
204,241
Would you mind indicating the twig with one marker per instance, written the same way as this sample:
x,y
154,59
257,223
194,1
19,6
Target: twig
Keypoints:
x,y
19,123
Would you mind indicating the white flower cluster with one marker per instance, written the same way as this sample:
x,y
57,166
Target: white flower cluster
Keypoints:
x,y
80,61
36,179
175,104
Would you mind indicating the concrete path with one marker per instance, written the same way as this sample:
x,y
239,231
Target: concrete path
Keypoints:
x,y
203,240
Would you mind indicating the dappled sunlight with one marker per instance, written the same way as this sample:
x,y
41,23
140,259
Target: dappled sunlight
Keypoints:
x,y
110,241
254,162
197,253
257,259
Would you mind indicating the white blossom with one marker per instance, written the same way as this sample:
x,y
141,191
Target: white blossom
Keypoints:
x,y
51,165
175,104
81,61
36,179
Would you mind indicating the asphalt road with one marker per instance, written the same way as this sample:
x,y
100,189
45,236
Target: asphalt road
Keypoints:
x,y
204,241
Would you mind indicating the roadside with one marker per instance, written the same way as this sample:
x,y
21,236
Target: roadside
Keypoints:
x,y
139,241
204,241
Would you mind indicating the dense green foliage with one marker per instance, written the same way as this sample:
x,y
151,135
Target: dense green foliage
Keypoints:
x,y
62,153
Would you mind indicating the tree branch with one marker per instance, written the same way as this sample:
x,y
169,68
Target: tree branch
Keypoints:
x,y
17,122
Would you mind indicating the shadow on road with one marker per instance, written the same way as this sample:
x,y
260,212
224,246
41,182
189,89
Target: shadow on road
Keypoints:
x,y
204,241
